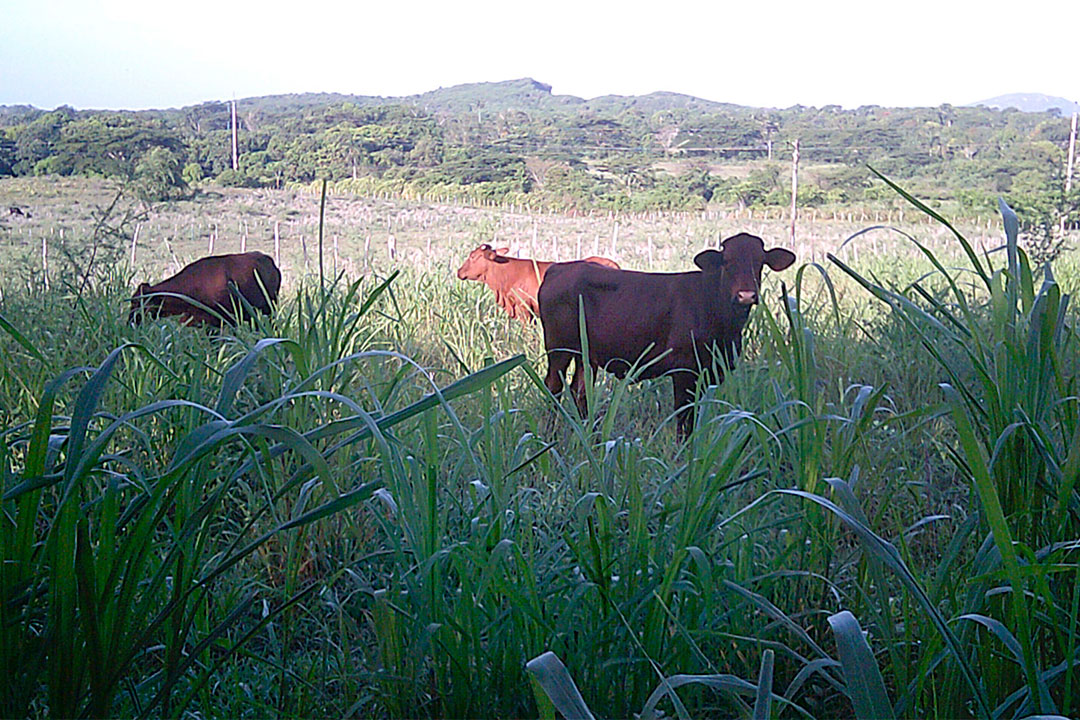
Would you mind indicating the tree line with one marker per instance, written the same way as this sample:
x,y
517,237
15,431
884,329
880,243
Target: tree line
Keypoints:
x,y
517,143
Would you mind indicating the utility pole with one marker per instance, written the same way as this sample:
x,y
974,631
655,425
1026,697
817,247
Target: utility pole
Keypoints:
x,y
1072,155
794,188
235,157
1069,170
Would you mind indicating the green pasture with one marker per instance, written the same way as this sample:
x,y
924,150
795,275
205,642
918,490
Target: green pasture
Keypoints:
x,y
368,504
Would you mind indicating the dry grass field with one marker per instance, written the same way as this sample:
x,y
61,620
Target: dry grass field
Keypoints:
x,y
359,232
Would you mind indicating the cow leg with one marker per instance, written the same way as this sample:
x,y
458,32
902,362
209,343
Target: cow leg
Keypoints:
x,y
683,383
577,387
558,363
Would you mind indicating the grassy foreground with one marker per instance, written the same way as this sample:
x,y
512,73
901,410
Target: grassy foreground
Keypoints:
x,y
368,505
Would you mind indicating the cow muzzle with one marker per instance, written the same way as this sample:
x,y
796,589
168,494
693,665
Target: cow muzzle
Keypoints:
x,y
746,298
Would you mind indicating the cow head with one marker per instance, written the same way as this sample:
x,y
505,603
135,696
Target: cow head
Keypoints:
x,y
479,262
738,266
140,304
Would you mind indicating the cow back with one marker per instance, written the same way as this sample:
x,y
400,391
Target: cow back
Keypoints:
x,y
630,316
209,282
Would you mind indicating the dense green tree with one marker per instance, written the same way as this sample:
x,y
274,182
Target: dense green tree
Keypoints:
x,y
34,142
513,140
192,173
158,175
108,144
7,155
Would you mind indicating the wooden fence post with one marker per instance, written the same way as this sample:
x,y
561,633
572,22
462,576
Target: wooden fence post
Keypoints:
x,y
277,243
134,239
794,188
1069,169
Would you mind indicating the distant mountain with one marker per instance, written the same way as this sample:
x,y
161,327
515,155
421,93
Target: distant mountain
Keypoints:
x,y
486,97
521,94
656,102
1030,102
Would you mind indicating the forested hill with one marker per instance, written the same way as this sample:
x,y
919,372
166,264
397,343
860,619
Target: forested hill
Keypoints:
x,y
1032,102
523,95
517,142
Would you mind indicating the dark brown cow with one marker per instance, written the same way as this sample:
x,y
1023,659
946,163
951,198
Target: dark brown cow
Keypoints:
x,y
636,317
209,281
515,281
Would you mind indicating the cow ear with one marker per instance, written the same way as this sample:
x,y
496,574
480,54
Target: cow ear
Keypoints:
x,y
709,260
779,258
489,254
502,251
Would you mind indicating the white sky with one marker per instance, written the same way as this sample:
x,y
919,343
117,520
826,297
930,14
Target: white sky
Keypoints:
x,y
149,54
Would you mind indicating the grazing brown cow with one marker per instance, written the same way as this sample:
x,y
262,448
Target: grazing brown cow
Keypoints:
x,y
515,281
636,317
209,281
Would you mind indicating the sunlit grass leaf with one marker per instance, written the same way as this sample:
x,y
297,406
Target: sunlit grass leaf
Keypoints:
x,y
554,678
865,688
763,701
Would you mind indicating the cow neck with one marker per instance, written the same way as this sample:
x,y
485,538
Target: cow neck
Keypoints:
x,y
495,281
513,266
716,295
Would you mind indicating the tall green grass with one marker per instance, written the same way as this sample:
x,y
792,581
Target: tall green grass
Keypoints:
x,y
119,526
355,508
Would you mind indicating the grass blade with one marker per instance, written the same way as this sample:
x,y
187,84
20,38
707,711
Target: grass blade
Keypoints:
x,y
865,687
763,701
21,339
555,679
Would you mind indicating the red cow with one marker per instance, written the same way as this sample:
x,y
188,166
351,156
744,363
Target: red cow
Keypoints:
x,y
638,317
209,281
515,281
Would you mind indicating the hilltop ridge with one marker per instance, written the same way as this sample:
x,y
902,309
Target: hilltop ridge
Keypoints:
x,y
528,94
1031,102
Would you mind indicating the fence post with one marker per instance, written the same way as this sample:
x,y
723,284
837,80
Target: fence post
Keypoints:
x,y
134,239
45,261
794,188
277,243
